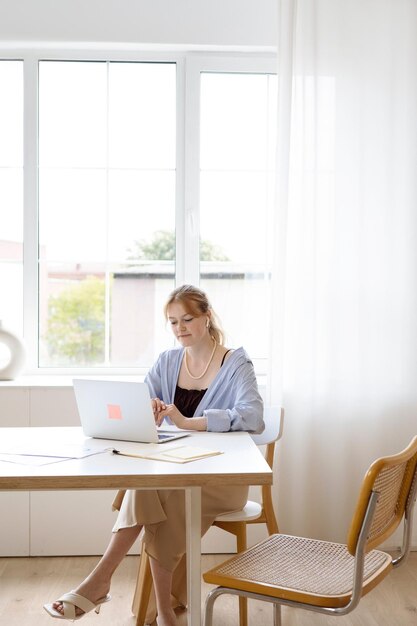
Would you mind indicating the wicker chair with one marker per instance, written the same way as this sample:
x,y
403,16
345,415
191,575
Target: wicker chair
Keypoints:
x,y
234,523
322,576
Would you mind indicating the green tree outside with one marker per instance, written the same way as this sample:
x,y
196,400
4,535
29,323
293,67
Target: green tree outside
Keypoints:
x,y
162,248
75,333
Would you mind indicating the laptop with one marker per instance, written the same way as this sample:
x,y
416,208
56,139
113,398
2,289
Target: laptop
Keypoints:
x,y
120,410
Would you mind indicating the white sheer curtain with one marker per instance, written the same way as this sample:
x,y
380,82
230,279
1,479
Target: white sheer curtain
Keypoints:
x,y
344,303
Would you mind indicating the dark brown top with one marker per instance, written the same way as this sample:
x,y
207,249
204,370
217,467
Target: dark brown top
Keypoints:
x,y
187,400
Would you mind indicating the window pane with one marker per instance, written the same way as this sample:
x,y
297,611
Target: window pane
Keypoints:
x,y
142,115
236,198
72,240
141,204
106,211
11,198
236,124
142,248
72,222
72,114
236,201
11,114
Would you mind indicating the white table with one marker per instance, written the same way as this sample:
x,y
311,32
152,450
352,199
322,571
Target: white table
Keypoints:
x,y
241,464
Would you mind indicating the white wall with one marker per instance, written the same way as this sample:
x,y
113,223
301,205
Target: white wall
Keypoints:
x,y
173,22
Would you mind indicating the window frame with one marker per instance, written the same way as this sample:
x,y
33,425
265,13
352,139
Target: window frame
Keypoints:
x,y
189,66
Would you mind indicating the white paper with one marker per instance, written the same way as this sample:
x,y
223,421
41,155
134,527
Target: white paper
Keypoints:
x,y
29,460
60,451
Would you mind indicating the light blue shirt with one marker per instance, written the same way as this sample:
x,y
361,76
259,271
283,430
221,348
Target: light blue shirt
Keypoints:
x,y
231,402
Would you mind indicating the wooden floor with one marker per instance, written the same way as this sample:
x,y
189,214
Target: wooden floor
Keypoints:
x,y
27,583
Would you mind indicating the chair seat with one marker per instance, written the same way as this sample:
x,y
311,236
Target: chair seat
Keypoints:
x,y
295,568
250,511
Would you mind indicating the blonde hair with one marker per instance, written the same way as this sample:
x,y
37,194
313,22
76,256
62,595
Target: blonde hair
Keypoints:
x,y
195,302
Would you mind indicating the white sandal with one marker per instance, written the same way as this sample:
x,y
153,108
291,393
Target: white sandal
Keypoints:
x,y
71,601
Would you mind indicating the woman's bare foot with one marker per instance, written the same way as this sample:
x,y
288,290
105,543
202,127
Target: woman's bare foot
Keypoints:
x,y
90,589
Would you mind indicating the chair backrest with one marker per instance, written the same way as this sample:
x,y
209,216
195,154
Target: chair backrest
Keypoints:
x,y
394,479
274,425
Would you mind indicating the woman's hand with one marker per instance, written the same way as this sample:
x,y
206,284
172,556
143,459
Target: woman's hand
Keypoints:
x,y
158,407
186,423
160,410
177,418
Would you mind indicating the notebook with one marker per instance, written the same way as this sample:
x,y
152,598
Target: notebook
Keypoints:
x,y
120,410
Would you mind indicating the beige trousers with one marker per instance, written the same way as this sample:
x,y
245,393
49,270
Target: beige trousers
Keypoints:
x,y
162,514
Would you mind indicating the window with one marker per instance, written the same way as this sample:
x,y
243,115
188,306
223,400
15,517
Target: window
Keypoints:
x,y
150,172
236,199
11,198
106,189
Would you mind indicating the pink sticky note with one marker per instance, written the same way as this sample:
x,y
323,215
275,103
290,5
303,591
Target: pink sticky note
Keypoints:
x,y
114,412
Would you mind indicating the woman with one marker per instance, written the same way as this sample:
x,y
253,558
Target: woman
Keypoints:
x,y
200,385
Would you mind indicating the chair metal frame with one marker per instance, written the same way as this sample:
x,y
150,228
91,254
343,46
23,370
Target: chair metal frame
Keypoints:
x,y
358,544
234,523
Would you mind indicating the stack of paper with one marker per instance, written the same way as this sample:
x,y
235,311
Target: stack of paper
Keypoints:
x,y
180,454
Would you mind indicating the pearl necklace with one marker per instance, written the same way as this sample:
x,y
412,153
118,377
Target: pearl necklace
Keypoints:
x,y
207,366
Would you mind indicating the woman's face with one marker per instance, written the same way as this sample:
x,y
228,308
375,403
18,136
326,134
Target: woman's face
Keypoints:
x,y
188,328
